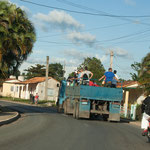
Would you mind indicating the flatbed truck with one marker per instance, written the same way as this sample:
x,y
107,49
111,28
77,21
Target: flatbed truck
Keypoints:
x,y
84,101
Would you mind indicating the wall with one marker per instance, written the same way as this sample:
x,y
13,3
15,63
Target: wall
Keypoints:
x,y
134,94
1,90
11,90
52,90
20,90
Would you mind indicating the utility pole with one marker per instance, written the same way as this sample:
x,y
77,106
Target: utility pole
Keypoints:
x,y
46,77
111,58
64,71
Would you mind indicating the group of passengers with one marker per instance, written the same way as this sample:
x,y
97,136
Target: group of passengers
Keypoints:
x,y
83,76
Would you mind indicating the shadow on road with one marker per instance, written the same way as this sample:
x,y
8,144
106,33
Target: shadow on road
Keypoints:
x,y
21,108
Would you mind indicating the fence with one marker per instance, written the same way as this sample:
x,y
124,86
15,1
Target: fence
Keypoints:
x,y
128,113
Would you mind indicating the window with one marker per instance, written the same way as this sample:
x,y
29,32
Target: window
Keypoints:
x,y
50,92
17,88
12,88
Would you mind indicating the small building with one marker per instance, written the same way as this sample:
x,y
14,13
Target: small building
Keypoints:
x,y
23,89
131,92
8,89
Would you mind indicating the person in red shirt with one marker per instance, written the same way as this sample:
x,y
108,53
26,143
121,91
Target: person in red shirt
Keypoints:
x,y
36,98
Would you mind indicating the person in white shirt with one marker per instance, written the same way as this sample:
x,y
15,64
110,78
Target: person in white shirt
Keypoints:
x,y
86,75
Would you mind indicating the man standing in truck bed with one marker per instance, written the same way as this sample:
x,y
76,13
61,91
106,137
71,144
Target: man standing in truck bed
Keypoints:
x,y
109,76
86,76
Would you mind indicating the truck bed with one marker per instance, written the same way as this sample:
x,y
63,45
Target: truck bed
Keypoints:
x,y
94,93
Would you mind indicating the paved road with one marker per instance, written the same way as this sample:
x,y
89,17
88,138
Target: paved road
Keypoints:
x,y
44,129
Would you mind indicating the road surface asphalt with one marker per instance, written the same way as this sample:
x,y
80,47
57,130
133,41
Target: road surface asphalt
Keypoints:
x,y
42,128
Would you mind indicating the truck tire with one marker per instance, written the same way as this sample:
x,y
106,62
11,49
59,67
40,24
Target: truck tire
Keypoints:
x,y
74,110
58,109
105,117
65,107
77,110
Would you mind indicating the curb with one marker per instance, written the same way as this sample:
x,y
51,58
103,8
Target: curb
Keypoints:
x,y
10,120
136,123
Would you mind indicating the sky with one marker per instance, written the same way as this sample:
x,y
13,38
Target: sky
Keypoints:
x,y
70,30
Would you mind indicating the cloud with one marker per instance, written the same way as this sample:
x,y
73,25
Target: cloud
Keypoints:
x,y
82,38
121,53
70,64
58,20
28,12
75,54
79,56
130,2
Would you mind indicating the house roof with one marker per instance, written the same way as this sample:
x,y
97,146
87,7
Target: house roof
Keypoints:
x,y
11,80
127,84
35,80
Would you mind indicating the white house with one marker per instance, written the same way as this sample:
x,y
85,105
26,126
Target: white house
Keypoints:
x,y
23,89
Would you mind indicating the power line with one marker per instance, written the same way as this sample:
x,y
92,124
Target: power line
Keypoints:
x,y
123,69
96,28
125,36
109,40
85,13
134,40
91,9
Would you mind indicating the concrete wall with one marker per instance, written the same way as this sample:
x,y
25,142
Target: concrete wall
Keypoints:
x,y
53,90
23,91
1,90
12,90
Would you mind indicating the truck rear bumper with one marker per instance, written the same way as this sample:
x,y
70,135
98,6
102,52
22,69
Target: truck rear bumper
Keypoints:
x,y
114,117
99,112
84,114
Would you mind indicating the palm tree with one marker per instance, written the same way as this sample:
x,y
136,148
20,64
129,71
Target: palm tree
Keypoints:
x,y
144,76
17,36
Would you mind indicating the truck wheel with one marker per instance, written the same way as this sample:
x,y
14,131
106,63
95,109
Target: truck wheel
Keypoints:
x,y
77,110
65,107
105,117
74,110
59,109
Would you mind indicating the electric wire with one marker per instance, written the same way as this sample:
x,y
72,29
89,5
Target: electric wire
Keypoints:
x,y
96,28
86,13
91,9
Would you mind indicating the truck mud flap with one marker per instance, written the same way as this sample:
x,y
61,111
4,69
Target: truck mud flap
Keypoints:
x,y
68,108
84,114
114,117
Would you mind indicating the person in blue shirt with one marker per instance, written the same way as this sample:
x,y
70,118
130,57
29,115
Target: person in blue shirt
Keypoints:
x,y
114,81
109,76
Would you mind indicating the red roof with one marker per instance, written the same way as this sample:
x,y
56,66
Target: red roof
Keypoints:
x,y
9,79
35,80
126,83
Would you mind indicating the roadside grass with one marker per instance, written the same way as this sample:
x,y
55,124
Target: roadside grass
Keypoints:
x,y
27,101
16,99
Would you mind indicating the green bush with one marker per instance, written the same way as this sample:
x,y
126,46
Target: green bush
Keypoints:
x,y
138,112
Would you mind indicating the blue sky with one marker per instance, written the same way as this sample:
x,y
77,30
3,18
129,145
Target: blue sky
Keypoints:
x,y
122,26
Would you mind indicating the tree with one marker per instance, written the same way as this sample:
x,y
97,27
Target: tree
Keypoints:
x,y
35,71
144,75
94,65
55,71
17,36
136,67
